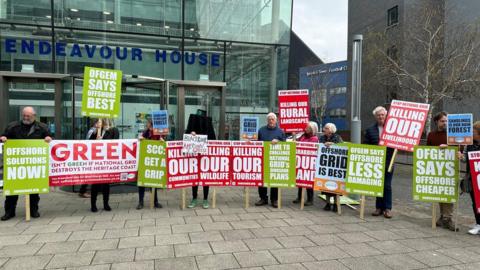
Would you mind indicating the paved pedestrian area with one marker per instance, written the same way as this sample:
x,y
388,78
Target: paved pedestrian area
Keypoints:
x,y
69,236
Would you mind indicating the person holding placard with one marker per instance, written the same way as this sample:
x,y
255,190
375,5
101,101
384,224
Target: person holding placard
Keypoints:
x,y
467,183
438,137
309,135
372,136
271,132
328,138
148,134
28,128
206,189
96,124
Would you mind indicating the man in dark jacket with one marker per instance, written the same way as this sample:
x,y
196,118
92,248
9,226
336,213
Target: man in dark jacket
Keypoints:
x,y
270,133
372,135
28,128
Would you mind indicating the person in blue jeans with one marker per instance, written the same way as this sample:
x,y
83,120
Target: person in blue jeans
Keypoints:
x,y
372,136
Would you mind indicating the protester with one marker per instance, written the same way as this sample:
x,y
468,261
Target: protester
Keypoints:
x,y
106,132
28,128
438,137
149,135
309,135
328,138
96,123
467,184
372,136
194,201
272,133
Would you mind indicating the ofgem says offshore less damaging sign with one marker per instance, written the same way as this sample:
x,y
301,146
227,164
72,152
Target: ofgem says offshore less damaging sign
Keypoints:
x,y
101,92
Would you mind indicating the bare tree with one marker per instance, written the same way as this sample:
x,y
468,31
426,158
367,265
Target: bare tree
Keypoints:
x,y
438,62
319,95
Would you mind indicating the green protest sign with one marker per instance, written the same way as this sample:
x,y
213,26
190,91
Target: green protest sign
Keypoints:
x,y
152,169
366,169
25,167
435,174
101,92
279,165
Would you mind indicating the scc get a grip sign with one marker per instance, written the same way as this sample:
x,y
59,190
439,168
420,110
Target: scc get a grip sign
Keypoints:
x,y
93,162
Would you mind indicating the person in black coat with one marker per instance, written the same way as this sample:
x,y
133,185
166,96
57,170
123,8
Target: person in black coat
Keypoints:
x,y
28,128
372,136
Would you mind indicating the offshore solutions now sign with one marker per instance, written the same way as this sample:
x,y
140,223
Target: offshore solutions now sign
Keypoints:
x,y
107,52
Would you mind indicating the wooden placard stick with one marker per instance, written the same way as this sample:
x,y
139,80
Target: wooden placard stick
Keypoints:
x,y
390,166
27,207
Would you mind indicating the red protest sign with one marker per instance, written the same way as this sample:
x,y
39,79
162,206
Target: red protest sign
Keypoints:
x,y
474,162
78,162
182,168
247,163
404,125
215,165
293,108
306,157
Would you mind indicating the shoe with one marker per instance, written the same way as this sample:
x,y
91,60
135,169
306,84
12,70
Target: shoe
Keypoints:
x,y
297,200
205,204
7,217
475,230
158,205
327,207
84,195
440,222
449,224
378,212
139,206
274,204
261,202
193,203
387,213
308,203
35,214
94,209
107,207
334,208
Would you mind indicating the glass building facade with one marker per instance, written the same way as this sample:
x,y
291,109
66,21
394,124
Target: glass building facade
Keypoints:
x,y
244,43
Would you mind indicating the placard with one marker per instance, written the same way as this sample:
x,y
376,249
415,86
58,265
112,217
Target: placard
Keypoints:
x,y
247,163
194,144
82,162
460,129
366,169
160,122
25,167
152,164
215,165
101,92
182,168
331,168
306,158
249,126
435,174
1,164
404,125
279,166
294,110
474,162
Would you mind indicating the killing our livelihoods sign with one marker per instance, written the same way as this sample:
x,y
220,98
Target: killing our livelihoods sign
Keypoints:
x,y
435,174
101,92
293,107
474,163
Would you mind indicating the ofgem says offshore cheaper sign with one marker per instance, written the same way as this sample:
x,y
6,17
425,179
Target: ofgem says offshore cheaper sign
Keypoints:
x,y
366,169
152,164
101,92
404,125
78,162
435,174
293,107
26,167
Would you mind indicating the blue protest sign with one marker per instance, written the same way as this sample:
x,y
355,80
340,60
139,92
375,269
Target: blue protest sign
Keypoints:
x,y
160,122
459,129
249,127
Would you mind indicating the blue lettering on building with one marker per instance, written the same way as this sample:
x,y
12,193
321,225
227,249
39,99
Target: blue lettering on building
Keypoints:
x,y
24,46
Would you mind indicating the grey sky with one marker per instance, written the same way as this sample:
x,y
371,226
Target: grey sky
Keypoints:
x,y
322,25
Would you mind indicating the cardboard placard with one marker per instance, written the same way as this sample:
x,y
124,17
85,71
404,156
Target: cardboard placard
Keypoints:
x,y
194,144
279,167
404,125
101,92
366,169
331,168
306,159
249,126
474,163
460,129
247,163
152,164
182,168
435,174
80,162
25,167
294,110
215,165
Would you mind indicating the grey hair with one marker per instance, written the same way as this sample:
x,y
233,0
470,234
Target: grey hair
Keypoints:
x,y
331,126
379,109
314,127
272,115
30,108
